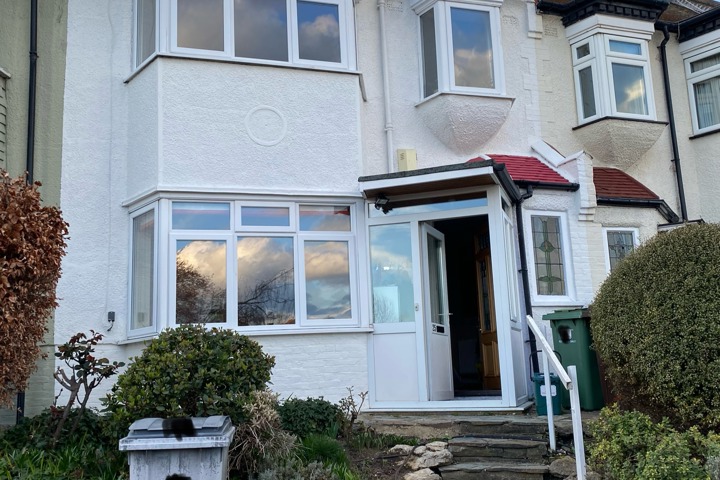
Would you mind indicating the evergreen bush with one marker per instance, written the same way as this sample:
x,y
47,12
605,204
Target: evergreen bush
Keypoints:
x,y
303,417
656,325
190,371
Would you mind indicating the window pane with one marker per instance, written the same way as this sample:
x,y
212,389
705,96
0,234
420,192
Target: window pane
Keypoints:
x,y
583,51
620,244
429,53
630,95
629,48
547,248
200,24
261,29
706,62
441,205
145,41
200,216
324,218
472,48
587,92
200,281
707,102
266,288
265,216
392,273
318,31
143,270
327,280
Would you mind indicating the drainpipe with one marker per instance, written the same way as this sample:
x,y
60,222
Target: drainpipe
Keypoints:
x,y
386,88
524,274
32,79
671,119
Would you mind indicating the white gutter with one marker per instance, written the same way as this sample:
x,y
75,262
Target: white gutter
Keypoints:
x,y
386,89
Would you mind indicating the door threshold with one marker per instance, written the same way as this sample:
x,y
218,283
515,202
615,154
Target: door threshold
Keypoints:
x,y
464,404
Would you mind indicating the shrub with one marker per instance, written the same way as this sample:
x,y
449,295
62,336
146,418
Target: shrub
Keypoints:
x,y
312,415
189,372
295,470
32,242
260,439
630,446
321,448
656,325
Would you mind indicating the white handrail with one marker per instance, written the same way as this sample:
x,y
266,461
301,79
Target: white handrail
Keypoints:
x,y
569,381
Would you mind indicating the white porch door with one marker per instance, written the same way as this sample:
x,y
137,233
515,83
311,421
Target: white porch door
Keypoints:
x,y
437,316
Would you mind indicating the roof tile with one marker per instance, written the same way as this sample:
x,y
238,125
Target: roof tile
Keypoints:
x,y
614,183
526,169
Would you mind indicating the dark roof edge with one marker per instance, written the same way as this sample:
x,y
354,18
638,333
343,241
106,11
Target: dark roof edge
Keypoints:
x,y
506,181
662,207
568,187
576,10
425,171
699,25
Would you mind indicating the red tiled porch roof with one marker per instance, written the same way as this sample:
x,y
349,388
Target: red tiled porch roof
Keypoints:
x,y
526,169
614,183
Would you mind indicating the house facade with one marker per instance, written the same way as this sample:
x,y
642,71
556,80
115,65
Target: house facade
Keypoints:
x,y
377,192
44,129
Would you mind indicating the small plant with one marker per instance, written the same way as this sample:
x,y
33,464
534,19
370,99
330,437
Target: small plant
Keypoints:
x,y
312,415
86,373
190,371
351,409
321,448
295,470
260,439
370,439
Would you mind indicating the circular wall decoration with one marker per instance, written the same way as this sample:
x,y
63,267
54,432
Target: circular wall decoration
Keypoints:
x,y
265,125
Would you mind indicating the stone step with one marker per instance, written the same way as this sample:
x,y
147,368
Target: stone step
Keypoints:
x,y
494,470
465,449
448,426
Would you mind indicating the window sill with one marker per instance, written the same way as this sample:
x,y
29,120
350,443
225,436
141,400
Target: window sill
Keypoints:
x,y
207,58
715,130
271,333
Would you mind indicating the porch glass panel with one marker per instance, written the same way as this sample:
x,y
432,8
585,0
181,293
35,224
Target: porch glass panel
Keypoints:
x,y
392,273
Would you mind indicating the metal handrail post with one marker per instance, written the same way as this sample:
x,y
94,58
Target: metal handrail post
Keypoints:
x,y
577,425
548,402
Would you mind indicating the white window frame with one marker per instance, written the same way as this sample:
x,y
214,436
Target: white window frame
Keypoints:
x,y
154,324
444,46
606,247
601,59
137,64
346,22
700,76
568,270
292,211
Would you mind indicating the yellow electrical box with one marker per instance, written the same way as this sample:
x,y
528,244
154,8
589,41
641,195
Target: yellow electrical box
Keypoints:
x,y
407,159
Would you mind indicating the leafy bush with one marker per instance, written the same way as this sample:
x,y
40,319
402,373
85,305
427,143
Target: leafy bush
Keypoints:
x,y
630,446
189,372
656,325
260,439
32,242
312,415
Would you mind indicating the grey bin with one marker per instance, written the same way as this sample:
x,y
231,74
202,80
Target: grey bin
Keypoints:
x,y
156,453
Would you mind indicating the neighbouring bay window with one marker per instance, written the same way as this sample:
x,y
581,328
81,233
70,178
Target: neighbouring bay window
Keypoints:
x,y
300,32
548,255
612,78
703,76
143,271
461,47
619,243
249,264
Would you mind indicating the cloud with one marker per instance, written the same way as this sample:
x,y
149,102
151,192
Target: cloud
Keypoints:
x,y
474,68
200,24
320,39
207,257
261,29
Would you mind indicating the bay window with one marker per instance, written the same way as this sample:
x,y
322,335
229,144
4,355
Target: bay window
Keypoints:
x,y
612,78
278,32
461,48
246,264
703,77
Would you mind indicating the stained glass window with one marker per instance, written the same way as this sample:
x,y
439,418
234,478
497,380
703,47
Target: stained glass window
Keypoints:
x,y
547,248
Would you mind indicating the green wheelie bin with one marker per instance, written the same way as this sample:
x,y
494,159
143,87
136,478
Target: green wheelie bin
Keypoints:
x,y
573,343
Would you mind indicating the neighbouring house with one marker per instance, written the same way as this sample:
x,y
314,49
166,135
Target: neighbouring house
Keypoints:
x,y
43,125
376,191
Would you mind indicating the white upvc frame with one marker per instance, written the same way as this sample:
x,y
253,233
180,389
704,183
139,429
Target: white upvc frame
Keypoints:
x,y
601,60
292,211
444,46
700,76
550,300
166,18
606,247
154,324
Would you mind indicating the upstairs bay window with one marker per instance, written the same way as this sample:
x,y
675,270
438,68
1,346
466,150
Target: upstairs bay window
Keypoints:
x,y
703,76
292,32
612,78
461,49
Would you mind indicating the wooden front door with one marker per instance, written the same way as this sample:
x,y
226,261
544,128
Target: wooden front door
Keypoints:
x,y
486,312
